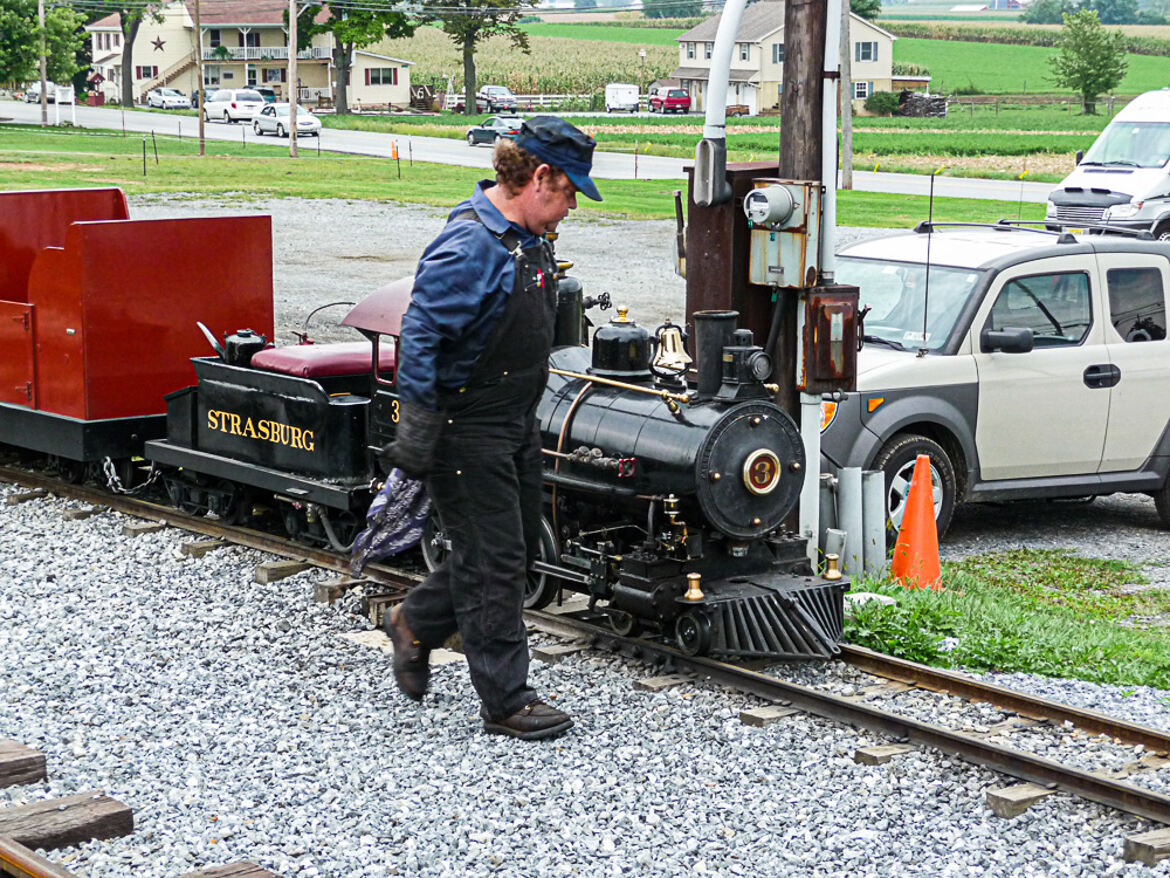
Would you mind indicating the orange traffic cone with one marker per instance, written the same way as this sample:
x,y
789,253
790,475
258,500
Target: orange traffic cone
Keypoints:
x,y
916,563
394,149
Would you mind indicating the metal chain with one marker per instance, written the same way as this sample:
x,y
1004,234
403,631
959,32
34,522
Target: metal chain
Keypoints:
x,y
114,483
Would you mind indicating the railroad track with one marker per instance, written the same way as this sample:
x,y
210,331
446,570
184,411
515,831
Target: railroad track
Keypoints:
x,y
1047,775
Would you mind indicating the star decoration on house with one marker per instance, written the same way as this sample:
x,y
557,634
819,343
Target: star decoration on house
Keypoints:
x,y
158,44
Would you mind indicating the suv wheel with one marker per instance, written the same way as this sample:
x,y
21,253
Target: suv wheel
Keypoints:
x,y
1162,504
896,459
470,139
1162,231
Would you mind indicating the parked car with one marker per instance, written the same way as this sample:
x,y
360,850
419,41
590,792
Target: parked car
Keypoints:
x,y
621,96
167,99
266,92
273,119
32,94
493,128
495,98
1033,366
670,100
233,104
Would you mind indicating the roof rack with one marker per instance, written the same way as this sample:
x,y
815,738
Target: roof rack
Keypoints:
x,y
1050,227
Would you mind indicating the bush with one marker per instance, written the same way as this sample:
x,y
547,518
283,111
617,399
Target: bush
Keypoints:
x,y
884,103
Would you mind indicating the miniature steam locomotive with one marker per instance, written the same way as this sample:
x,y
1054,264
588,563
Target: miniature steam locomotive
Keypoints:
x,y
667,488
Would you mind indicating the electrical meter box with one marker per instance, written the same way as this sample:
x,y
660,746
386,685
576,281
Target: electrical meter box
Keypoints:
x,y
829,343
785,221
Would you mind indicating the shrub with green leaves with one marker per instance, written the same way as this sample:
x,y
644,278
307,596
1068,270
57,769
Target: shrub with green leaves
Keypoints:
x,y
883,103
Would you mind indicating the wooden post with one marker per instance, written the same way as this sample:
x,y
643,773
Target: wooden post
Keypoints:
x,y
41,53
845,99
202,85
292,79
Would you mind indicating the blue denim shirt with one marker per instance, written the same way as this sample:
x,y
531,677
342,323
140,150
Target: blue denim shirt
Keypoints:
x,y
460,289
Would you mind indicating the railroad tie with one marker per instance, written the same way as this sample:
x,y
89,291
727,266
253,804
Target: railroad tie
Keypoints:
x,y
328,592
232,870
25,496
657,684
274,571
20,764
70,820
759,717
1148,847
880,754
1015,800
138,528
554,652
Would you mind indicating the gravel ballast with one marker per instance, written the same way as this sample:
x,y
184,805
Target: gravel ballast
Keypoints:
x,y
238,724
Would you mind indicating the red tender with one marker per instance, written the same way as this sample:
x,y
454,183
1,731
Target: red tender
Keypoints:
x,y
325,360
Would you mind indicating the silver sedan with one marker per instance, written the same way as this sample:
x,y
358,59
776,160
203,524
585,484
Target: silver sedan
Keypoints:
x,y
273,119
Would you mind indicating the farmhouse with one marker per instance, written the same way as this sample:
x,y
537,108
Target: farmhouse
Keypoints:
x,y
244,44
757,64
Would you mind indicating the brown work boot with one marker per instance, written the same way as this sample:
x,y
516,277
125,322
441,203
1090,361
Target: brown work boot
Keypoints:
x,y
534,722
412,669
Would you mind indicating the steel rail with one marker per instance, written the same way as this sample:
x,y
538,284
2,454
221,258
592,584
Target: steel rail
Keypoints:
x,y
1122,796
20,862
953,683
1037,769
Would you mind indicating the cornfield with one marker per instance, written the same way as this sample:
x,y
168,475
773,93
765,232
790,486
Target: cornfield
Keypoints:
x,y
555,66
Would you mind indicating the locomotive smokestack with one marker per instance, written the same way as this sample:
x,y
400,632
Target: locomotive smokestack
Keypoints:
x,y
713,332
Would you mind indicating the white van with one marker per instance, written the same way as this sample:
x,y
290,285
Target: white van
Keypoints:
x,y
1124,178
621,96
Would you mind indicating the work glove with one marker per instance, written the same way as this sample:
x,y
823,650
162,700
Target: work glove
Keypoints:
x,y
413,448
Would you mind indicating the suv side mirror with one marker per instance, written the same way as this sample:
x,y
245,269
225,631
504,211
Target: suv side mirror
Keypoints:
x,y
1080,155
1012,340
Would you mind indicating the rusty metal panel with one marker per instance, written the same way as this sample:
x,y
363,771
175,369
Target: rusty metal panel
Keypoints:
x,y
31,221
830,340
17,364
117,308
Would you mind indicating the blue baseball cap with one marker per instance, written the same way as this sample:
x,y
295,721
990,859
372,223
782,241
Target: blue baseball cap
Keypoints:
x,y
563,146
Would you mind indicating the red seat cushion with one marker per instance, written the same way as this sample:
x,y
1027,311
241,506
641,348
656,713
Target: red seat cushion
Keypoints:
x,y
324,360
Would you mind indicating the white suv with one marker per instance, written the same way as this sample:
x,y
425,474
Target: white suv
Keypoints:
x,y
233,104
1034,365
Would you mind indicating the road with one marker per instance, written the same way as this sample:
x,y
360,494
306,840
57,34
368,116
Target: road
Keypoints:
x,y
606,165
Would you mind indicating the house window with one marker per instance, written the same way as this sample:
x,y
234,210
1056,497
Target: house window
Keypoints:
x,y
381,76
276,74
865,51
117,40
252,38
745,51
777,53
145,72
862,89
211,74
707,47
213,38
690,50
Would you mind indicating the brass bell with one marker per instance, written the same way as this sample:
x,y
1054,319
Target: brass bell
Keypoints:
x,y
671,356
694,593
831,570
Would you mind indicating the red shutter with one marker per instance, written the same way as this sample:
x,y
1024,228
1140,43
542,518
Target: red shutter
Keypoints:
x,y
367,76
138,73
394,75
284,74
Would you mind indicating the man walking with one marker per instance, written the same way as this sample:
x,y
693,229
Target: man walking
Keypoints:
x,y
473,362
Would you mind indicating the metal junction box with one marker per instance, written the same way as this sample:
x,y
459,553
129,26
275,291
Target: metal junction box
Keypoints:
x,y
829,346
785,221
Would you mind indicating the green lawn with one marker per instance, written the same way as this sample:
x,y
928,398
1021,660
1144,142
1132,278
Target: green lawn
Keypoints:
x,y
998,69
35,159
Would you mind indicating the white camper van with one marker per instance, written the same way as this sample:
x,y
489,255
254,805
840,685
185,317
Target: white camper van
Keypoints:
x,y
621,96
1124,178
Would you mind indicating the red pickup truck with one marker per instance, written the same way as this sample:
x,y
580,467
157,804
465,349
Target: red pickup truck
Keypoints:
x,y
670,100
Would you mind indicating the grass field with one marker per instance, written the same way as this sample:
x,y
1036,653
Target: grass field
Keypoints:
x,y
647,36
32,159
999,69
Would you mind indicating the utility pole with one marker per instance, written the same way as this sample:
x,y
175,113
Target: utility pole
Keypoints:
x,y
43,51
800,103
846,98
199,68
293,91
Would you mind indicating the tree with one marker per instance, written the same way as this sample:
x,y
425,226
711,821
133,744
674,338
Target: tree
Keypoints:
x,y
351,29
1115,11
867,9
475,21
1090,59
130,17
1049,11
19,41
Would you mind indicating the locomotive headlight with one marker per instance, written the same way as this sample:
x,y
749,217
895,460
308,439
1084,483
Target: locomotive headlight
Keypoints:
x,y
760,365
761,471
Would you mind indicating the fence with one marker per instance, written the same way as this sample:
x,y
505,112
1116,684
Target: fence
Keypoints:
x,y
1109,103
454,100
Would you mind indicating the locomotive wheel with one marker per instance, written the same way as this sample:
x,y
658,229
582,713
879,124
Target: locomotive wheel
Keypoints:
x,y
692,633
624,624
541,588
71,471
896,459
433,543
236,504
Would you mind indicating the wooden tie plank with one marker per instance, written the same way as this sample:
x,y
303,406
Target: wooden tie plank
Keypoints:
x,y
273,571
81,514
1148,847
880,754
657,684
58,823
1015,800
328,592
554,652
232,870
765,716
199,548
25,496
20,764
138,528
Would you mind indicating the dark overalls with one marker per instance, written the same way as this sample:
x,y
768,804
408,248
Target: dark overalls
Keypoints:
x,y
486,486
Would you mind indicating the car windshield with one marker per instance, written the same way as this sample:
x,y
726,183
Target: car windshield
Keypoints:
x,y
282,110
509,121
250,97
169,92
1138,144
678,93
896,292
